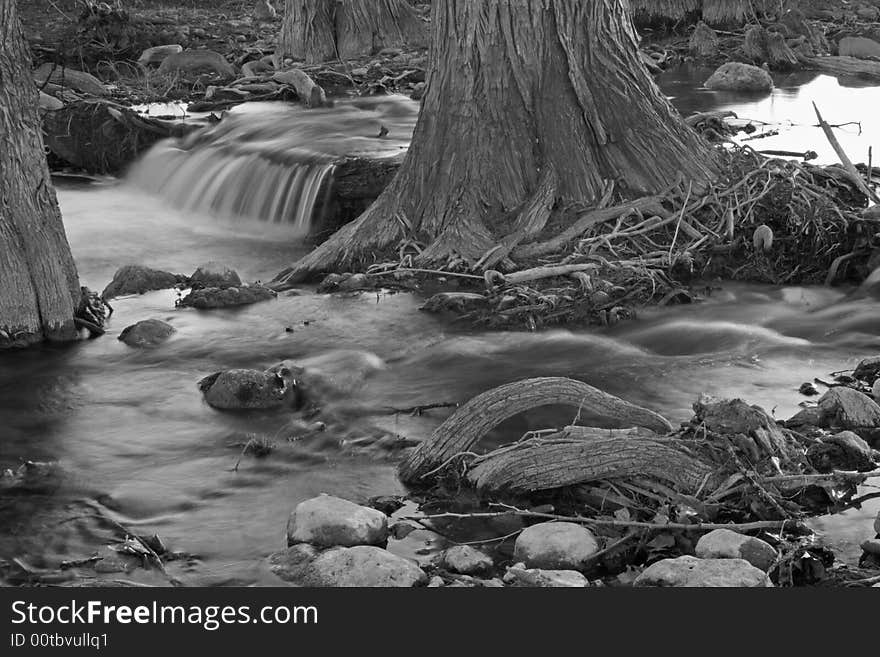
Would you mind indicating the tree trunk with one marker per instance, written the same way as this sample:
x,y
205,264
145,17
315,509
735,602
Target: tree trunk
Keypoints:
x,y
530,105
322,30
39,288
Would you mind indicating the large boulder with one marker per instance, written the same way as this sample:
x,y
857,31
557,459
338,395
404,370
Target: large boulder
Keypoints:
x,y
147,333
736,76
359,566
728,544
135,279
211,298
858,47
541,578
556,546
466,560
849,409
215,274
241,389
690,571
327,521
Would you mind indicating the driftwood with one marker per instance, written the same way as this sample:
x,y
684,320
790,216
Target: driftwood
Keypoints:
x,y
309,93
579,455
467,426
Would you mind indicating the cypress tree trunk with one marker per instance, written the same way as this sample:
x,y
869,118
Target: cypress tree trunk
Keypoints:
x,y
39,287
530,104
322,30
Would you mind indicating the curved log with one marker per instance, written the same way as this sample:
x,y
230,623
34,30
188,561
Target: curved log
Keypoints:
x,y
467,426
579,455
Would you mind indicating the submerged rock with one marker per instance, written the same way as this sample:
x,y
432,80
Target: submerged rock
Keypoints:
x,y
136,279
728,544
147,333
556,546
327,521
360,566
466,560
690,571
736,76
250,389
211,298
214,274
537,577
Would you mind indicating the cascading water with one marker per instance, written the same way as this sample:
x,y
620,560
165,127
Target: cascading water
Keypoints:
x,y
271,162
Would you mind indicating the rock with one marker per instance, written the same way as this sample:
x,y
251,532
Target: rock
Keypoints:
x,y
210,298
808,389
728,544
360,566
241,389
355,282
192,62
214,274
877,523
871,14
735,76
734,416
868,369
466,560
327,521
158,54
807,417
436,582
264,11
849,409
556,546
71,78
689,571
49,103
858,47
148,333
536,577
135,279
871,546
858,451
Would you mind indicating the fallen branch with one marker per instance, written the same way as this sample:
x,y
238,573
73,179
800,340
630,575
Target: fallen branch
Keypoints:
x,y
850,169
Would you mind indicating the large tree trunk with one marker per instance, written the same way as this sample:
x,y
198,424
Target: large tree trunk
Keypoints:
x,y
322,30
530,105
39,287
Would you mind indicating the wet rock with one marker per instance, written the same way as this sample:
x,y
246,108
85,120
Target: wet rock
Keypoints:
x,y
436,583
734,416
212,298
871,546
856,453
466,560
215,274
387,504
736,76
858,47
147,333
327,521
360,566
241,389
728,544
808,389
158,54
807,417
868,369
849,409
537,577
135,279
690,571
556,546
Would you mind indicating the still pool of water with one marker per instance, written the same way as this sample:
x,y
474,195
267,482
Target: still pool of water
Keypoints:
x,y
133,436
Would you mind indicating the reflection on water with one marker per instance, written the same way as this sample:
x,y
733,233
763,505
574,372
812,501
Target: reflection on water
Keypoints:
x,y
788,109
132,433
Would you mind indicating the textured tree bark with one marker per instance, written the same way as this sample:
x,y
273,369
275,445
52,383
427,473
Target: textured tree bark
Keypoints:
x,y
39,287
529,104
464,428
323,30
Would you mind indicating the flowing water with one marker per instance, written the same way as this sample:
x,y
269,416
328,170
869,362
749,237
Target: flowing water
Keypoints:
x,y
135,440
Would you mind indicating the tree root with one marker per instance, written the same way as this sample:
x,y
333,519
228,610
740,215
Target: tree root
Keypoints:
x,y
467,426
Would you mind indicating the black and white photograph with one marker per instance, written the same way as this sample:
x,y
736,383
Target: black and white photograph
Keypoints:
x,y
334,294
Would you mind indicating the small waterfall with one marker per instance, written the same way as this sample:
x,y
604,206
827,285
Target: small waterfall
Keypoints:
x,y
249,185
